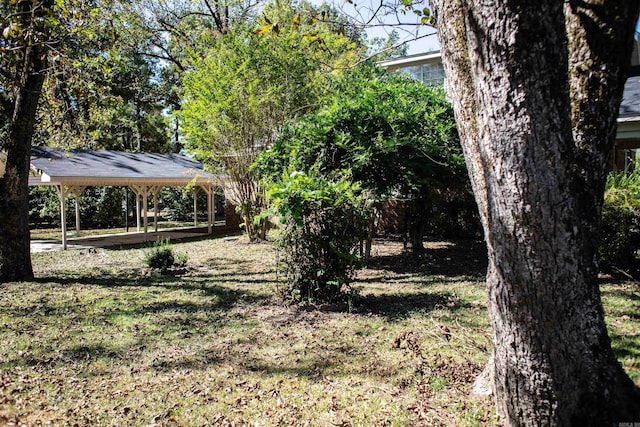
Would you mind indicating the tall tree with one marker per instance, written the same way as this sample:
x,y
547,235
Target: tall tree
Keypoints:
x,y
249,82
37,36
23,46
103,94
536,88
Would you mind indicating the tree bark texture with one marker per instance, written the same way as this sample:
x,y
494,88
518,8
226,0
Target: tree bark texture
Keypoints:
x,y
15,255
536,87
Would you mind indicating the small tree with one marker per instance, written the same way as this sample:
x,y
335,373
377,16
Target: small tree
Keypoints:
x,y
227,117
253,79
323,221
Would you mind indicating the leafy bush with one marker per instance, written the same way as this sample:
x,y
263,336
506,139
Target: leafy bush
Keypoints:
x,y
44,206
162,256
389,132
620,242
101,207
323,222
181,259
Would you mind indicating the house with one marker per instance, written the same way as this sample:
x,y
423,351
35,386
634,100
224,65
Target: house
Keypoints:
x,y
428,68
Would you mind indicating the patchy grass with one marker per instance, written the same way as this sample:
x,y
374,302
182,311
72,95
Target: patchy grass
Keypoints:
x,y
621,301
98,340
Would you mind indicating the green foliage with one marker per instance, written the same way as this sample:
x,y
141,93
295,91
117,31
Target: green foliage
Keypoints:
x,y
177,203
387,48
180,259
390,133
620,241
244,86
104,92
100,207
228,115
44,206
161,256
323,221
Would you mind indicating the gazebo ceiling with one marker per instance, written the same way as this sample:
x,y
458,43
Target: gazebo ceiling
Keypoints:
x,y
56,166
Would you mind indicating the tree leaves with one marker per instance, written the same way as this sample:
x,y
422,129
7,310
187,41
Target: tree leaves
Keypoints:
x,y
426,17
11,31
264,29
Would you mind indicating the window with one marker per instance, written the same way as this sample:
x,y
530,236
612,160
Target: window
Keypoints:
x,y
429,74
433,73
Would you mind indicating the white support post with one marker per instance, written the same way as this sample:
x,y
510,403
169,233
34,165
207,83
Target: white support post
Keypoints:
x,y
155,207
62,191
138,189
213,206
137,211
209,206
209,191
195,206
77,216
145,210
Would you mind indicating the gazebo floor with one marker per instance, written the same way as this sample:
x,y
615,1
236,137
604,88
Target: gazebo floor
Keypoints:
x,y
121,239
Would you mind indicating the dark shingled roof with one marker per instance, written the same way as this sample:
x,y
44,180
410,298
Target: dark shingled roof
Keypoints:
x,y
630,106
110,166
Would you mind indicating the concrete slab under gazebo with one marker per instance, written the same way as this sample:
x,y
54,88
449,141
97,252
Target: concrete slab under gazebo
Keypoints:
x,y
71,171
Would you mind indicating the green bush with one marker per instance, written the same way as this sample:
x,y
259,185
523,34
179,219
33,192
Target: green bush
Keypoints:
x,y
620,241
322,225
390,133
181,259
162,256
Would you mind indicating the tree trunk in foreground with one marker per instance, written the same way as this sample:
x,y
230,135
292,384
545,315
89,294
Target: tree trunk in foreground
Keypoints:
x,y
15,251
536,88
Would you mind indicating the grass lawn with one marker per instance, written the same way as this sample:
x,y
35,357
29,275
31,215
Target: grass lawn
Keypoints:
x,y
98,340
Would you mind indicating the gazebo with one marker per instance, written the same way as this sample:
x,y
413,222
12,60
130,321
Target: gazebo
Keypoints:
x,y
71,171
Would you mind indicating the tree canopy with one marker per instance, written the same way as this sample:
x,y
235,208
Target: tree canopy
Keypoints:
x,y
248,83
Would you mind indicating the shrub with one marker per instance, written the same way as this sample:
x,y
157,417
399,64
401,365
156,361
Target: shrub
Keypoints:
x,y
390,133
181,259
162,256
620,241
322,224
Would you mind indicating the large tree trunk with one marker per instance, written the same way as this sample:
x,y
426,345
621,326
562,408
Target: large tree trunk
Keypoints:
x,y
536,87
15,255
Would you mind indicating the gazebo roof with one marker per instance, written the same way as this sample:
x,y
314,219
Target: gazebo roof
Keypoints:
x,y
56,166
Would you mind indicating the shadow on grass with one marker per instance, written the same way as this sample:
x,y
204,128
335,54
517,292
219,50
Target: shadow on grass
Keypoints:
x,y
205,281
122,327
448,263
206,298
400,306
313,362
613,288
625,346
460,258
